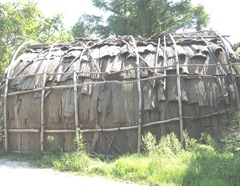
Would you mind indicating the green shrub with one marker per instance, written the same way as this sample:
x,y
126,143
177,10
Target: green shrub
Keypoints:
x,y
231,140
53,148
168,145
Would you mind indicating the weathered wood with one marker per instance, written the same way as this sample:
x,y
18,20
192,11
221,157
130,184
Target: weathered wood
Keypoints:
x,y
75,95
60,131
178,89
139,96
231,73
165,62
106,75
24,130
42,112
5,114
8,74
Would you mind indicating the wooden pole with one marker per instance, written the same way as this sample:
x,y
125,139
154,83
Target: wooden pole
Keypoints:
x,y
42,112
75,94
178,89
139,96
232,77
165,62
24,130
5,115
8,72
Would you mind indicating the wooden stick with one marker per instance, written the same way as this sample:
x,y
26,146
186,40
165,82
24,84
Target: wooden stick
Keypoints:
x,y
42,112
231,72
108,82
9,71
178,90
139,96
76,107
211,114
160,122
60,130
5,114
165,62
23,130
111,143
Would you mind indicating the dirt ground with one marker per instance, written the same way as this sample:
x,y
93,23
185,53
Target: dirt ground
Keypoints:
x,y
18,173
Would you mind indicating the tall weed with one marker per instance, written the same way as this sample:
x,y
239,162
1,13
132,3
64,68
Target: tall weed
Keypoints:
x,y
168,145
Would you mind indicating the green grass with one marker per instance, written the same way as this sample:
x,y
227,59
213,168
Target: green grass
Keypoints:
x,y
164,163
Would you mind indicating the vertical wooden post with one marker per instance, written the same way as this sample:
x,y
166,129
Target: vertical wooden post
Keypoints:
x,y
75,94
165,62
139,96
5,114
178,89
8,74
42,111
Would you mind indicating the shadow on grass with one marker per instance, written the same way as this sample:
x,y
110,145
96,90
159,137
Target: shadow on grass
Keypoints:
x,y
209,168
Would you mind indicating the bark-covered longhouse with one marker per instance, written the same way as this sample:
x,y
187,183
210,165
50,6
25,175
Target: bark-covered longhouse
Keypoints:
x,y
45,99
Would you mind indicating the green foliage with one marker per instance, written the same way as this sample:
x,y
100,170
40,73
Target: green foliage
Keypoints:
x,y
144,18
20,22
167,146
190,144
231,140
53,146
236,47
72,162
165,163
79,142
86,26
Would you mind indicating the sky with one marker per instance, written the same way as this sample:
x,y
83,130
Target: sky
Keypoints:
x,y
223,13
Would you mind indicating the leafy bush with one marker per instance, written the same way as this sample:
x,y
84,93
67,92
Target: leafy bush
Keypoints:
x,y
231,140
54,147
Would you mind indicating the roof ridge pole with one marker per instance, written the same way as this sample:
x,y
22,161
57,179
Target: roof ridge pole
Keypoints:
x,y
76,107
178,89
139,96
8,73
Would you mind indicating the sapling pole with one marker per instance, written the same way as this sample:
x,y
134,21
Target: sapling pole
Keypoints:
x,y
9,71
232,77
178,89
42,111
165,62
75,94
139,96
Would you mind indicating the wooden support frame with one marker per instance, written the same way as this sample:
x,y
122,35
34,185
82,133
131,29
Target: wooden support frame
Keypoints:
x,y
139,96
42,112
75,86
76,107
178,89
9,71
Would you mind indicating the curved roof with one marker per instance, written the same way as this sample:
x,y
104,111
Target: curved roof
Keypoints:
x,y
116,59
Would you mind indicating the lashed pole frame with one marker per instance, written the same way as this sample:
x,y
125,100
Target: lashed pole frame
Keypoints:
x,y
139,96
9,71
231,73
42,130
178,89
